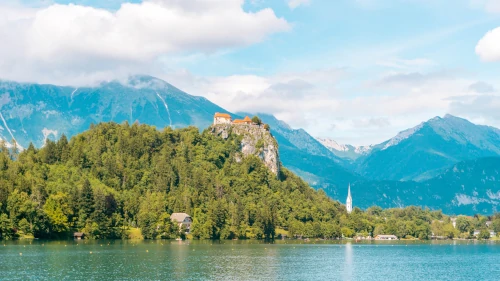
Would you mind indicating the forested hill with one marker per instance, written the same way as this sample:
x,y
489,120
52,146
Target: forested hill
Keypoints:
x,y
120,175
113,177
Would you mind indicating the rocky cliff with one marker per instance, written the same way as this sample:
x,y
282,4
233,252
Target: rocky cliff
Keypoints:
x,y
256,141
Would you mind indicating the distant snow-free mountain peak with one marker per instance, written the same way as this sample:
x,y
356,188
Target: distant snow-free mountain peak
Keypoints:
x,y
332,144
345,150
401,136
429,147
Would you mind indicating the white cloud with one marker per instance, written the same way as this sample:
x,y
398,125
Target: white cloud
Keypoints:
x,y
488,48
296,3
319,101
490,6
87,41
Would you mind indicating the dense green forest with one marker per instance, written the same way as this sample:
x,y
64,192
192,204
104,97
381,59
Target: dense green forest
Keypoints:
x,y
115,177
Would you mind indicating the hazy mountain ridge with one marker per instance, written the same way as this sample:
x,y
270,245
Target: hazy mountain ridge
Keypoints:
x,y
468,187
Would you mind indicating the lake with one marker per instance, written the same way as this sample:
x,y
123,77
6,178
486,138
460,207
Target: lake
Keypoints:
x,y
248,260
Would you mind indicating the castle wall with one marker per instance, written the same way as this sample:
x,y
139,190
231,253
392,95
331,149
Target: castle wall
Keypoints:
x,y
221,120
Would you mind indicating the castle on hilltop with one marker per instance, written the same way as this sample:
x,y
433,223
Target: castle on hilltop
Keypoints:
x,y
224,118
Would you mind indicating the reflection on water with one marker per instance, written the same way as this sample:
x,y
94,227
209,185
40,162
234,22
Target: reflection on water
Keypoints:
x,y
248,260
179,252
348,264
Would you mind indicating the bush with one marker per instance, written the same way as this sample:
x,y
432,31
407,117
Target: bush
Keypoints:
x,y
259,144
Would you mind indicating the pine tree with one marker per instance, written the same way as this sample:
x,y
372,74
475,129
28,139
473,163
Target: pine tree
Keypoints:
x,y
62,149
49,153
86,200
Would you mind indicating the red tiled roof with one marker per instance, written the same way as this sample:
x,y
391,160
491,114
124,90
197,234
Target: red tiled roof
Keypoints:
x,y
223,115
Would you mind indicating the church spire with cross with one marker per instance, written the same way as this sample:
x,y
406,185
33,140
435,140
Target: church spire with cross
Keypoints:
x,y
348,203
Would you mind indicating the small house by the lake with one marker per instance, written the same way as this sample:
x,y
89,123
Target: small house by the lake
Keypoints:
x,y
183,220
78,235
386,237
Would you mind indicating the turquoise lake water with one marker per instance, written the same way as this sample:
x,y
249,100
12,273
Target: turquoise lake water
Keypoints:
x,y
243,260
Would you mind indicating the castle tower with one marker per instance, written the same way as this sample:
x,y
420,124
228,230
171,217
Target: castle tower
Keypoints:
x,y
348,203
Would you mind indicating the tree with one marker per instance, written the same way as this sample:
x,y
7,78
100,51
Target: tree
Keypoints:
x,y
449,231
104,207
6,229
63,149
268,219
49,154
85,203
484,234
217,215
380,229
20,206
14,149
347,232
374,211
149,225
496,224
41,227
256,120
463,224
24,226
152,210
58,210
437,228
330,230
423,231
401,230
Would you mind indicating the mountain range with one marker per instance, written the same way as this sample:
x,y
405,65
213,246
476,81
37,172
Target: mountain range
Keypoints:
x,y
423,151
444,163
33,113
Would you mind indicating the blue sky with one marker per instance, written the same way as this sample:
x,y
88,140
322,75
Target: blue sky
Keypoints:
x,y
357,71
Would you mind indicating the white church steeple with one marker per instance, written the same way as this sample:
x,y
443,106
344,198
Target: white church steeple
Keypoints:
x,y
348,203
